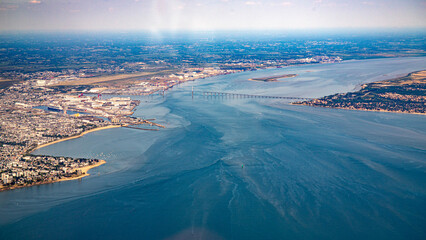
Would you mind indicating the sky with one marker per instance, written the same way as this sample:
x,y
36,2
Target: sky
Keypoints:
x,y
174,15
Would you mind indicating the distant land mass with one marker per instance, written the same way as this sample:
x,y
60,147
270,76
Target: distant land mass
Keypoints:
x,y
273,78
405,95
5,83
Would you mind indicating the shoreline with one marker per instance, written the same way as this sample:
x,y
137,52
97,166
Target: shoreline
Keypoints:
x,y
83,170
355,109
76,136
403,87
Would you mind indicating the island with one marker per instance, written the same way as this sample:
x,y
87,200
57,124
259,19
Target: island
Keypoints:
x,y
403,95
273,78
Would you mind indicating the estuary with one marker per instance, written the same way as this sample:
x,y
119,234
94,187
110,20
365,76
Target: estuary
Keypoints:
x,y
233,168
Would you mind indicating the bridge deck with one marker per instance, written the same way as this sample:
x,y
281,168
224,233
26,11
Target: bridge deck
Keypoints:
x,y
242,95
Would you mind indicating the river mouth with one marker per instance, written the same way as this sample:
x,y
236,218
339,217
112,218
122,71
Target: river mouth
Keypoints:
x,y
242,168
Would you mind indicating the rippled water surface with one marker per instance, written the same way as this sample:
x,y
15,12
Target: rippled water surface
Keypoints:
x,y
232,168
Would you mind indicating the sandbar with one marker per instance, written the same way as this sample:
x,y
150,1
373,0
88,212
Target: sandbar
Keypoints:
x,y
272,78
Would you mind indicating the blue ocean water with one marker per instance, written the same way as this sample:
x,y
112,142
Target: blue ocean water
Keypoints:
x,y
231,168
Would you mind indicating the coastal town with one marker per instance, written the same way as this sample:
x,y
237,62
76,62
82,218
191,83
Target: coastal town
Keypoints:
x,y
404,95
33,170
32,116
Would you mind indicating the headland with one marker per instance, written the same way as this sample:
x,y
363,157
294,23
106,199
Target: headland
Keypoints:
x,y
399,95
53,169
83,171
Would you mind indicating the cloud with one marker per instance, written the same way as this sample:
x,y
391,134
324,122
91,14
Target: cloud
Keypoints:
x,y
34,2
181,6
283,4
252,3
316,4
7,7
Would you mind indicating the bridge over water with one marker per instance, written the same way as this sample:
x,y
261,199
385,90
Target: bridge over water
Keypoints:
x,y
242,95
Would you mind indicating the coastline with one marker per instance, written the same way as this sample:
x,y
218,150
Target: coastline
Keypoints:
x,y
395,95
76,136
82,169
355,109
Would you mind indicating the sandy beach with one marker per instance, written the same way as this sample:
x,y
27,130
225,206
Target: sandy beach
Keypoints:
x,y
83,170
77,136
381,110
359,109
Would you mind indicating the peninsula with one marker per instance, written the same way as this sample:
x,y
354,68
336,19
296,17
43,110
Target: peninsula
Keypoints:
x,y
403,95
36,170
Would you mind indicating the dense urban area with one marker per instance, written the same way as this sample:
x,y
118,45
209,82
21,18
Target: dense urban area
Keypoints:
x,y
32,116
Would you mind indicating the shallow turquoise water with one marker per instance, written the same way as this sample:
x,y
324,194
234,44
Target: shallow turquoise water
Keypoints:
x,y
228,168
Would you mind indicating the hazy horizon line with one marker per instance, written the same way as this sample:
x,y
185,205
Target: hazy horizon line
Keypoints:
x,y
242,30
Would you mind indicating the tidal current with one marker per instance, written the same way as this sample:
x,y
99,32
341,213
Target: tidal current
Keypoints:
x,y
235,168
